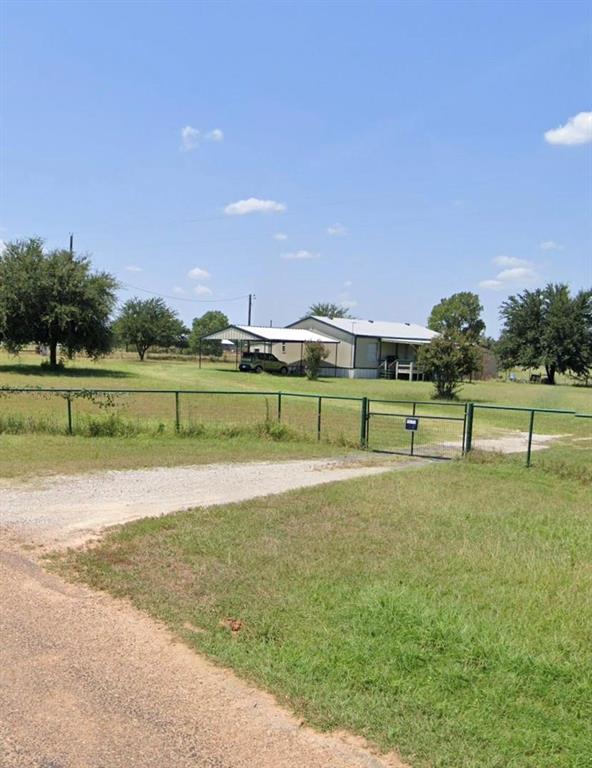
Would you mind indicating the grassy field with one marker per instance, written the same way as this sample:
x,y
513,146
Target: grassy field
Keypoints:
x,y
446,615
117,372
152,416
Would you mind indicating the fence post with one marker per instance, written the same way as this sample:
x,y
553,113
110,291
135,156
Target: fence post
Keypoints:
x,y
364,423
530,431
69,402
319,418
413,432
469,427
464,433
279,407
177,413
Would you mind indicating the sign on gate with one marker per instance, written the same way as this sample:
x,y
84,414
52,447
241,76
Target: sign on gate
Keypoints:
x,y
412,424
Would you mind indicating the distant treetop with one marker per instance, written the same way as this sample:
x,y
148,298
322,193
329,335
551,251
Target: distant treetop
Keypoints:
x,y
328,309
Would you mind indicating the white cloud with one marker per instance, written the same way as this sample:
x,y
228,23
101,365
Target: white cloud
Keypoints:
x,y
280,236
577,130
337,230
197,273
189,138
202,290
178,291
215,135
550,245
300,255
518,272
517,275
348,284
510,261
492,285
253,205
133,268
348,303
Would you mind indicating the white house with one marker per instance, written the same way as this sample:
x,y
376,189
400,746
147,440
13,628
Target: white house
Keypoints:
x,y
357,348
368,348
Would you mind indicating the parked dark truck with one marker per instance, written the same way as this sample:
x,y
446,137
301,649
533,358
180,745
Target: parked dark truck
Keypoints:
x,y
256,362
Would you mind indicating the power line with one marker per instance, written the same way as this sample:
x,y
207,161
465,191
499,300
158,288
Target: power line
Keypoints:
x,y
128,287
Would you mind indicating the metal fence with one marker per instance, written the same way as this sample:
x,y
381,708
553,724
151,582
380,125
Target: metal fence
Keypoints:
x,y
520,430
417,428
126,411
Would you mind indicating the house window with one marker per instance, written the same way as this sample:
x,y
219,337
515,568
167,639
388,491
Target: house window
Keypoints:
x,y
283,347
372,350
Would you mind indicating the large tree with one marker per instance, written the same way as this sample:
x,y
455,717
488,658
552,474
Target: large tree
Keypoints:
x,y
328,309
459,316
53,298
210,322
145,323
548,327
459,313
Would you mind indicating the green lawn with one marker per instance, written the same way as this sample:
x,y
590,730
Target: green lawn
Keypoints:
x,y
127,372
445,614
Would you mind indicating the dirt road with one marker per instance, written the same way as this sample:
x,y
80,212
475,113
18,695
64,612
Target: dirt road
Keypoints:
x,y
89,682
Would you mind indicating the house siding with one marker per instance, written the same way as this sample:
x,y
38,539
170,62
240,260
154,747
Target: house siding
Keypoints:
x,y
345,348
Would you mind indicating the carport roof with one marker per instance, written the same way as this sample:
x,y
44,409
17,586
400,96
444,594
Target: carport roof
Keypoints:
x,y
268,334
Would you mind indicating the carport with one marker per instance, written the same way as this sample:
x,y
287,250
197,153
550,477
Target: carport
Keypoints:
x,y
268,336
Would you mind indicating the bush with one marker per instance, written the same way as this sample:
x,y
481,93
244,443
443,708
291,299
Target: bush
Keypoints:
x,y
447,359
314,354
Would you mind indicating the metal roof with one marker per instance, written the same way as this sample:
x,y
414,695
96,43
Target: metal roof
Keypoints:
x,y
403,333
268,334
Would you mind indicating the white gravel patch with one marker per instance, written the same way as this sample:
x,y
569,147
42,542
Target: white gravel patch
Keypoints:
x,y
70,509
514,442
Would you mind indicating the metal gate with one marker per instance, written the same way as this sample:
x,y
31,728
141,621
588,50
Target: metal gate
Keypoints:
x,y
428,429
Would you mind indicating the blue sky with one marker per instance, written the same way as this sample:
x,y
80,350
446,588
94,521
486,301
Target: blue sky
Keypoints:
x,y
404,151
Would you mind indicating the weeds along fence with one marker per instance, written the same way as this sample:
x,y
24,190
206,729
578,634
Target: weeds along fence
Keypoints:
x,y
342,420
418,428
230,413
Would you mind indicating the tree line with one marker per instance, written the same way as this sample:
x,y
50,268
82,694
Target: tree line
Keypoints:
x,y
544,328
55,300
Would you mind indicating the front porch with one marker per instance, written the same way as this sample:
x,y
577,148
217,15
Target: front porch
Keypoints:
x,y
398,360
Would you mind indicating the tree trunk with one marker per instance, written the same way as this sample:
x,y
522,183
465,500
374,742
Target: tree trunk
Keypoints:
x,y
53,354
141,352
550,369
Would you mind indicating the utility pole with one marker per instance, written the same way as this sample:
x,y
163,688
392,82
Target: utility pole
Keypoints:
x,y
251,297
71,244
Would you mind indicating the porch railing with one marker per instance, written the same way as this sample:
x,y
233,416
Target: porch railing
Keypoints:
x,y
397,368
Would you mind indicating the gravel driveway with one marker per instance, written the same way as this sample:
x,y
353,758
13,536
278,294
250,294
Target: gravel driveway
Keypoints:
x,y
87,681
69,509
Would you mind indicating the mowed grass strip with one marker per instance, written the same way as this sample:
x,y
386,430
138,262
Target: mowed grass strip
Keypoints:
x,y
31,455
443,613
